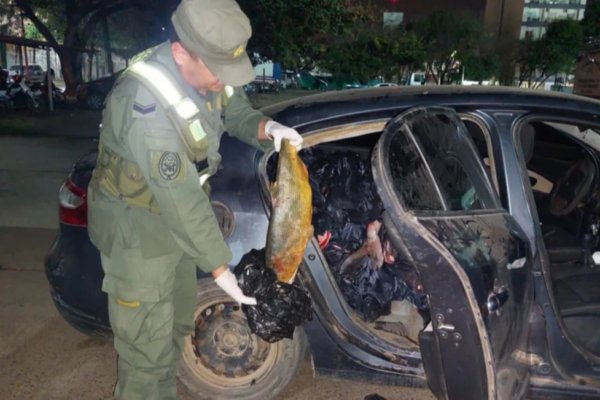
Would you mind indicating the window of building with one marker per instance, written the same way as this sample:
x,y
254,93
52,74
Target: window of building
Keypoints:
x,y
392,20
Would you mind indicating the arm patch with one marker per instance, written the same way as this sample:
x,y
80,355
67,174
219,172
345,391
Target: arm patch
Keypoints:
x,y
166,166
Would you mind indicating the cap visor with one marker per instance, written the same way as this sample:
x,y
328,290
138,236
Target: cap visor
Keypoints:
x,y
237,73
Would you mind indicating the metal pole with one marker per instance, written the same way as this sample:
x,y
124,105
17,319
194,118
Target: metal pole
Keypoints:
x,y
49,81
107,48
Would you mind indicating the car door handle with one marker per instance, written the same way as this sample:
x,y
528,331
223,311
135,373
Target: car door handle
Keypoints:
x,y
496,299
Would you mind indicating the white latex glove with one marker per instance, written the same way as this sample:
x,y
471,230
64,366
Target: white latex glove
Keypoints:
x,y
278,132
228,282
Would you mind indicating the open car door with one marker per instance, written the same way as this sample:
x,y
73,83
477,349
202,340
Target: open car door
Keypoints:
x,y
443,215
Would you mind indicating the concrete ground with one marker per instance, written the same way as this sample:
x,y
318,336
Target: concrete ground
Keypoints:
x,y
41,356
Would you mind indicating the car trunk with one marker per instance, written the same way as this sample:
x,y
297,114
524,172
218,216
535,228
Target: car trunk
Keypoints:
x,y
388,300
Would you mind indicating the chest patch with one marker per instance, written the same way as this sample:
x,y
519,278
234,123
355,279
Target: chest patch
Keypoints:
x,y
169,166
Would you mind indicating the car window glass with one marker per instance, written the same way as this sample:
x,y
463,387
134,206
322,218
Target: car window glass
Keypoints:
x,y
435,165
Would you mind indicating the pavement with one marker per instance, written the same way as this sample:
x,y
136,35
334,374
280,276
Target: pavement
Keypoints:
x,y
41,356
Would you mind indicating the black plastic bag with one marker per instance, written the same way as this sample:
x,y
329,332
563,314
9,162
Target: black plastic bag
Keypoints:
x,y
281,306
370,291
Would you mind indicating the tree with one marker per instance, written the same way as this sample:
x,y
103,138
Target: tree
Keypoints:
x,y
591,20
357,50
406,52
448,38
483,62
293,32
74,22
556,52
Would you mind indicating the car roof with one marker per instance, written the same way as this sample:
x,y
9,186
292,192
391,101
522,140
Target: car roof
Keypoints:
x,y
309,109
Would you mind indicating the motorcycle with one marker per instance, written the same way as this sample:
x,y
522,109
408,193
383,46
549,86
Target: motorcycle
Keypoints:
x,y
23,95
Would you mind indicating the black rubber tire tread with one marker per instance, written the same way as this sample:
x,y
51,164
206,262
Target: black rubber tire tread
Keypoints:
x,y
291,354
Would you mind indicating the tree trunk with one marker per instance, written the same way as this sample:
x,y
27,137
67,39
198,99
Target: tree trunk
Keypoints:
x,y
69,75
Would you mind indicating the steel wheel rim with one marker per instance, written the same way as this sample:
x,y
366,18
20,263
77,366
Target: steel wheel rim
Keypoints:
x,y
238,358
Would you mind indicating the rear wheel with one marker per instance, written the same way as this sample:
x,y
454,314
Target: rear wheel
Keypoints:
x,y
36,104
223,359
94,101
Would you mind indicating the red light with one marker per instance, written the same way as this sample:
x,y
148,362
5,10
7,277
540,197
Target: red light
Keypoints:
x,y
72,205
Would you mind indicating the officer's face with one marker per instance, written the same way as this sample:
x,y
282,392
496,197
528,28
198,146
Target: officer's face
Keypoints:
x,y
194,71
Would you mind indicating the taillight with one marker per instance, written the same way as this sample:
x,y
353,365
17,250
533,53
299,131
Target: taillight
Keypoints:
x,y
72,204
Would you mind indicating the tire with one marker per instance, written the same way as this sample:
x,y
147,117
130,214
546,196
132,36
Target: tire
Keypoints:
x,y
94,101
258,370
38,105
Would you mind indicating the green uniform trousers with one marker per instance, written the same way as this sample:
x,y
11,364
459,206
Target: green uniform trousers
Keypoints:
x,y
151,307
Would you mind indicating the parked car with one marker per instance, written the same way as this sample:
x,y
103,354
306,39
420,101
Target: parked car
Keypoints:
x,y
490,206
266,85
33,73
385,84
93,93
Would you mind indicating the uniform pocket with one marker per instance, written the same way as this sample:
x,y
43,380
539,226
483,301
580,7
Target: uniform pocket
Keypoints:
x,y
138,314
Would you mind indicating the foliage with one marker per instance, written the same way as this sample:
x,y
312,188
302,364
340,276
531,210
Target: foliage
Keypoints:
x,y
483,62
556,52
591,20
293,32
357,51
448,38
69,25
405,53
363,49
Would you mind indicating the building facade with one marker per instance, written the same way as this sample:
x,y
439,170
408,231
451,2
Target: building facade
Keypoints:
x,y
500,18
537,14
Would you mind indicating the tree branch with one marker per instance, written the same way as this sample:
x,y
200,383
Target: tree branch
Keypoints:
x,y
89,26
41,27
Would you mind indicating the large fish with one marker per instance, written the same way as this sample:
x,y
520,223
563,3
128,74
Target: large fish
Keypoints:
x,y
290,226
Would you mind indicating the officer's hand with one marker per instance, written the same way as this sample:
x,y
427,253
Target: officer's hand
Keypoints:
x,y
228,282
278,132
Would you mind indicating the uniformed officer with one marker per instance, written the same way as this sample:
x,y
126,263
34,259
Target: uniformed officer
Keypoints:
x,y
148,213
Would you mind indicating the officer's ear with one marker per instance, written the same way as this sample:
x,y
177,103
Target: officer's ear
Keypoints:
x,y
180,54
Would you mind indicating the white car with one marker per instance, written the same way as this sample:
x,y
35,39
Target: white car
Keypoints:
x,y
34,72
385,84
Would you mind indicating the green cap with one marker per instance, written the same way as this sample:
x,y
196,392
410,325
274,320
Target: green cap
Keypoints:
x,y
217,31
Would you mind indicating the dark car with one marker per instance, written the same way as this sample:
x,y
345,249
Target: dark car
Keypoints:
x,y
93,93
489,204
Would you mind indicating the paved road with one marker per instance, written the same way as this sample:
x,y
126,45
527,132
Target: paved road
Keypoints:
x,y
43,358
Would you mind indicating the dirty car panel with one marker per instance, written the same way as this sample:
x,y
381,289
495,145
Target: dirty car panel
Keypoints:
x,y
470,254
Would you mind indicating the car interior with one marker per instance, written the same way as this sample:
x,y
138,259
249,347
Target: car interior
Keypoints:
x,y
564,180
388,300
563,173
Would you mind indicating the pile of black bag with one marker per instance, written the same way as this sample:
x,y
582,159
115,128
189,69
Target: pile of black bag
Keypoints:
x,y
280,306
345,201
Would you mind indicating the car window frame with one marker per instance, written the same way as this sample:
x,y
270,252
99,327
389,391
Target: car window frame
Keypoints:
x,y
315,137
586,143
583,139
436,214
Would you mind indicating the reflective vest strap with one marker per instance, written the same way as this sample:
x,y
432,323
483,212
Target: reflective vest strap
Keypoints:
x,y
169,93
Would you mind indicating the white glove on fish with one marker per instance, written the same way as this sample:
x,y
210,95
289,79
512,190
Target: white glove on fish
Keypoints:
x,y
278,132
228,282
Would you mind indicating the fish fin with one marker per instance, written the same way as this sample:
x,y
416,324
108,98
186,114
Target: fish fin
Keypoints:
x,y
273,190
310,232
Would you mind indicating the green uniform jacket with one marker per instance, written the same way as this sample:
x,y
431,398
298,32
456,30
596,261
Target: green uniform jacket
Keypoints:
x,y
159,205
